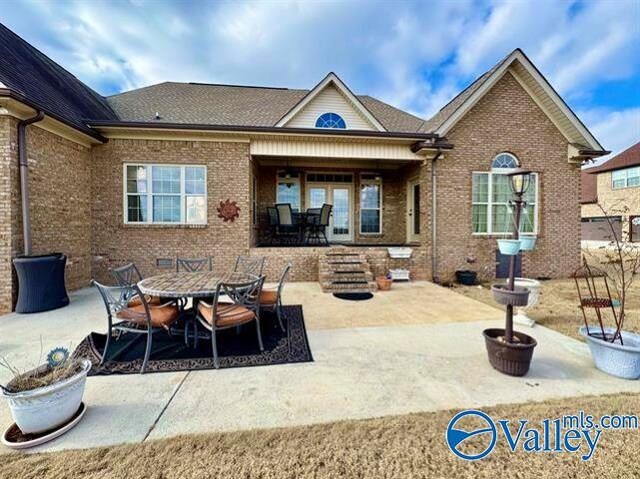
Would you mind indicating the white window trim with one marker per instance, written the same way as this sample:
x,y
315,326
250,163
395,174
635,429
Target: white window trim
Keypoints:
x,y
489,203
626,178
293,181
381,196
183,195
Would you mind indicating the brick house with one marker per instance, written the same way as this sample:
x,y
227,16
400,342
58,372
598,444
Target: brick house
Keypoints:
x,y
138,176
615,185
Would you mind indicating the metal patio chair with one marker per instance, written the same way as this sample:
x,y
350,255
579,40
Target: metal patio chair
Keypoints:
x,y
142,318
244,308
271,299
319,225
249,265
288,228
194,265
129,275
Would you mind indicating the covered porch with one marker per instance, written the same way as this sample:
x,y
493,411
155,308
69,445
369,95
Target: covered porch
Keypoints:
x,y
373,202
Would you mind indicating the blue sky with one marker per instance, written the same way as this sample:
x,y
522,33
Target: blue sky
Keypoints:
x,y
414,55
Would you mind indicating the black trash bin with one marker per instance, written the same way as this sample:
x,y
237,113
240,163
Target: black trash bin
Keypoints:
x,y
41,282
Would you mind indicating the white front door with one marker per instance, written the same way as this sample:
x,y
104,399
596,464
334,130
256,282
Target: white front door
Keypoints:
x,y
340,196
413,211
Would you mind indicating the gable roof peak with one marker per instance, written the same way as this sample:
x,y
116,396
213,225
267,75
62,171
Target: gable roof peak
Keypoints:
x,y
331,78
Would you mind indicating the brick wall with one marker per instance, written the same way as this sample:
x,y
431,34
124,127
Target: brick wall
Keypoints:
x,y
228,177
507,119
614,201
8,162
59,181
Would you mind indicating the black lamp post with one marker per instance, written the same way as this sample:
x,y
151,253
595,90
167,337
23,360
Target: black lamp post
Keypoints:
x,y
519,180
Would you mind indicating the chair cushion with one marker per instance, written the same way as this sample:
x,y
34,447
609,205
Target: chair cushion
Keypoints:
x,y
268,297
136,301
227,315
161,316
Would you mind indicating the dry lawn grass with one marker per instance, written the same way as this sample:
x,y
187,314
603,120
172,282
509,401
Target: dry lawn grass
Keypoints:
x,y
558,306
402,447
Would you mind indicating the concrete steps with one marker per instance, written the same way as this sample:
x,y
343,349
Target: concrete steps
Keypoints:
x,y
345,272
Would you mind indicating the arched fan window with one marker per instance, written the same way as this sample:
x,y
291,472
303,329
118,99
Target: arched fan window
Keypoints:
x,y
330,120
504,160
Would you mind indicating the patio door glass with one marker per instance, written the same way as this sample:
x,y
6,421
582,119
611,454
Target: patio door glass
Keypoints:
x,y
340,224
413,211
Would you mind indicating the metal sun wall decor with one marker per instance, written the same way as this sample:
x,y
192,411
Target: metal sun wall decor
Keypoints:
x,y
228,210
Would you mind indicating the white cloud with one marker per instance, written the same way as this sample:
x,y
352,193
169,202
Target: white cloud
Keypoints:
x,y
616,130
415,55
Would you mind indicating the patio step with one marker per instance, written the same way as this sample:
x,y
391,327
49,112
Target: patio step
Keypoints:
x,y
344,271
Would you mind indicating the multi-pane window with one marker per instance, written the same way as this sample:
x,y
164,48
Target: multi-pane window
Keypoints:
x,y
288,189
165,194
625,178
330,120
491,213
370,204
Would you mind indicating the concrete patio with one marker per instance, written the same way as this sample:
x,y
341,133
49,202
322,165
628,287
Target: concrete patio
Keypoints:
x,y
416,348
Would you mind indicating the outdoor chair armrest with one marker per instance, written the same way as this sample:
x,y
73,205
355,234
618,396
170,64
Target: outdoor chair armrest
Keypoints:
x,y
205,304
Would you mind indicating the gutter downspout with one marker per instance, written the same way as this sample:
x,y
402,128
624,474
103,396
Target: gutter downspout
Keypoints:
x,y
434,249
24,178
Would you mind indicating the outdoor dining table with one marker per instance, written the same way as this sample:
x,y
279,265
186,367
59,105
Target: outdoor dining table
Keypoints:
x,y
195,285
188,284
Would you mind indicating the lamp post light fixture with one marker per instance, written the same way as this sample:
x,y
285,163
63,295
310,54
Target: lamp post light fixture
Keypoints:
x,y
519,180
510,352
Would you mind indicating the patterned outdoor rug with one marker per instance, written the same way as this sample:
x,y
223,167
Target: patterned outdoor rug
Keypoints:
x,y
235,349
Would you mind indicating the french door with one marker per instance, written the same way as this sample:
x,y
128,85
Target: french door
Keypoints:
x,y
413,210
341,197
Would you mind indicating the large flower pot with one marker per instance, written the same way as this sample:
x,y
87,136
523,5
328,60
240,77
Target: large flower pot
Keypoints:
x,y
621,360
48,407
466,277
509,246
514,358
503,295
534,293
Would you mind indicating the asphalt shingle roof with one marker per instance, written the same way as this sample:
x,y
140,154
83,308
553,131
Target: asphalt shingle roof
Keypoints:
x,y
629,157
198,103
30,73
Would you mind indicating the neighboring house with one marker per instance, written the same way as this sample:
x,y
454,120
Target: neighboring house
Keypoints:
x,y
614,185
139,176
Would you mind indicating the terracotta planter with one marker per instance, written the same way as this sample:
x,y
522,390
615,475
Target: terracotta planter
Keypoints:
x,y
384,284
513,359
503,295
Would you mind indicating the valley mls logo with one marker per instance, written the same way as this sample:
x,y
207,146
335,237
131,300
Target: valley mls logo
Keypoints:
x,y
456,438
472,434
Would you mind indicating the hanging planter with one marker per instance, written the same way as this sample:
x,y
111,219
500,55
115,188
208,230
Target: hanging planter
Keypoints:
x,y
509,247
527,243
504,296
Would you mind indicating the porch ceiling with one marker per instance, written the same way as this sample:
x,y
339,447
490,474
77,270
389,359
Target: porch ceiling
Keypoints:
x,y
311,162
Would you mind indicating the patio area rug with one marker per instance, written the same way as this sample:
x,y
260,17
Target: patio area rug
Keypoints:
x,y
235,349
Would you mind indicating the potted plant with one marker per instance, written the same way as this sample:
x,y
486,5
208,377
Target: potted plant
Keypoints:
x,y
384,282
614,351
467,277
510,351
48,396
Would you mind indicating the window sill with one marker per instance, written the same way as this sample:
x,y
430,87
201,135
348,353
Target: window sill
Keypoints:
x,y
164,226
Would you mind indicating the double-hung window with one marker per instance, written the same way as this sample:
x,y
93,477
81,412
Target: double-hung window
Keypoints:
x,y
288,189
490,196
165,194
370,204
625,178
